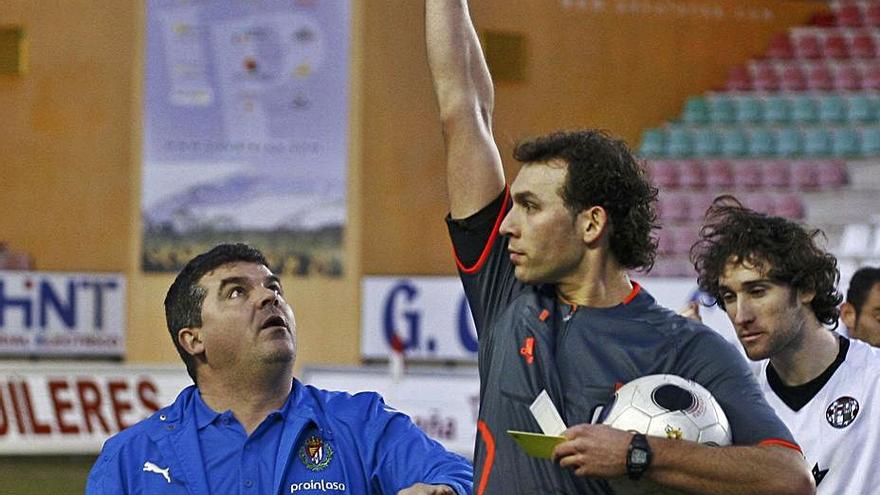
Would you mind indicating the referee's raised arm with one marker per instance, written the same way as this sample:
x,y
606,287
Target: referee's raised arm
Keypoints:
x,y
463,86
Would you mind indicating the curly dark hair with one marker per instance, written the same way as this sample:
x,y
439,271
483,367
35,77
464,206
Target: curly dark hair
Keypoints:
x,y
787,251
183,302
602,171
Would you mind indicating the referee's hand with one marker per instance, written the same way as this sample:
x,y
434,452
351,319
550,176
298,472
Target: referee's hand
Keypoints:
x,y
423,489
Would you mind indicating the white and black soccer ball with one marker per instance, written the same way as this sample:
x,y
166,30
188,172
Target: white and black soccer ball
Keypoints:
x,y
669,406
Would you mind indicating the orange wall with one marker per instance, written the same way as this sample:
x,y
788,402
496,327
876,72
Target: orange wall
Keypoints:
x,y
70,145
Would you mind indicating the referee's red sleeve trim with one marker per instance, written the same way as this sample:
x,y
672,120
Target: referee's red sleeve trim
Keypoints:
x,y
489,440
488,247
782,443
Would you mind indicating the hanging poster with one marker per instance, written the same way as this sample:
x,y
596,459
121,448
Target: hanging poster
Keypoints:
x,y
245,131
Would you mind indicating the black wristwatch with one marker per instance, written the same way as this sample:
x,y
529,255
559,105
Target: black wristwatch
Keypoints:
x,y
638,456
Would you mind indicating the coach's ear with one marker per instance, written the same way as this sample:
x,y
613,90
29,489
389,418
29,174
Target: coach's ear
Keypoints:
x,y
190,340
848,315
593,222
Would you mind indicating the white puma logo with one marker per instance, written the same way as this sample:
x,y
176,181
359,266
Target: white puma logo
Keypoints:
x,y
152,468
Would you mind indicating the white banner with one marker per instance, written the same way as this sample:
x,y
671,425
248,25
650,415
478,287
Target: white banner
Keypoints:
x,y
44,313
72,408
442,403
431,318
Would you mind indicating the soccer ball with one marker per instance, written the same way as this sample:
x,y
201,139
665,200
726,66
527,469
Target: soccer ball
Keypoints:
x,y
669,406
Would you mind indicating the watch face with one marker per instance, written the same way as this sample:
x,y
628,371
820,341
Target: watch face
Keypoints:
x,y
639,456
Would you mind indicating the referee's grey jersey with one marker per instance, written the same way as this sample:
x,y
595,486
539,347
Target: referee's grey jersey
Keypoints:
x,y
529,342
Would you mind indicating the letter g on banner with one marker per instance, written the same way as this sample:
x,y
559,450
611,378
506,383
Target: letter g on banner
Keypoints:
x,y
402,324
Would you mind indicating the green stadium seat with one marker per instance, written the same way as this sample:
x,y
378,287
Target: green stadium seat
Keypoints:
x,y
761,142
777,110
696,111
817,142
804,110
722,110
870,141
679,143
832,109
845,142
653,143
734,142
861,109
749,110
789,142
706,142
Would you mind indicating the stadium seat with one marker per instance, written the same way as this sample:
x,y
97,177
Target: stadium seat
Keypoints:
x,y
848,77
832,109
817,142
804,109
870,141
820,78
805,175
845,142
776,174
718,174
835,46
764,76
690,175
706,142
679,143
664,173
722,110
871,77
761,142
863,44
822,18
738,79
831,174
749,110
849,15
673,206
780,47
696,111
789,142
760,202
790,206
793,78
777,109
653,143
872,15
808,46
734,142
860,109
747,175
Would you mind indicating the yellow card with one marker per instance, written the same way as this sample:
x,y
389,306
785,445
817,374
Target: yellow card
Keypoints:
x,y
536,444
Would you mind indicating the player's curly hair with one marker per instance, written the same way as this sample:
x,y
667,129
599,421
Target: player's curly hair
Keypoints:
x,y
785,249
602,171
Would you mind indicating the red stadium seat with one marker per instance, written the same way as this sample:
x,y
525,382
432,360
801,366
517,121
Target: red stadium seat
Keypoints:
x,y
673,206
835,46
690,174
764,76
776,174
780,47
747,175
805,174
871,78
831,174
808,46
762,202
848,78
789,205
863,44
819,77
718,174
738,79
849,15
872,14
793,78
664,173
